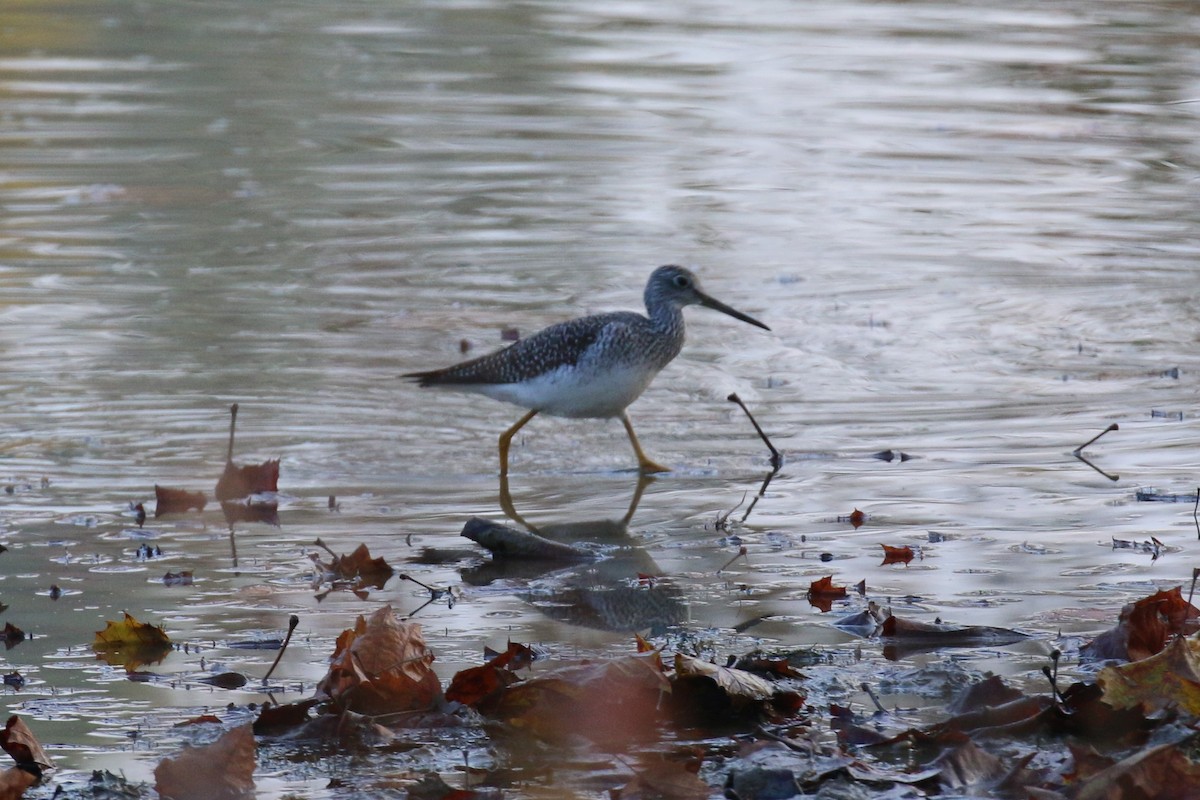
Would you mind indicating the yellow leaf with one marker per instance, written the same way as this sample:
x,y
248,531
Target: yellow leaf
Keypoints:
x,y
130,643
1170,677
130,631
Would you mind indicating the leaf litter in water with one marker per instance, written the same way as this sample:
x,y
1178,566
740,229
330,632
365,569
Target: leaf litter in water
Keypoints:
x,y
381,666
131,644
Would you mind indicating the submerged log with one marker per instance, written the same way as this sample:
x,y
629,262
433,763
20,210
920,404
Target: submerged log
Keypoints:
x,y
509,543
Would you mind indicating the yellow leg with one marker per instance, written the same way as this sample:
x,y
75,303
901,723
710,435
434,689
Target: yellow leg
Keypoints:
x,y
645,465
506,439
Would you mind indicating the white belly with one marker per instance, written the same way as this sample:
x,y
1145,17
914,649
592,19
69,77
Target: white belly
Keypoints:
x,y
565,393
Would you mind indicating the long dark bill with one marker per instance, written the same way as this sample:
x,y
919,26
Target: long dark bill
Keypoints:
x,y
717,305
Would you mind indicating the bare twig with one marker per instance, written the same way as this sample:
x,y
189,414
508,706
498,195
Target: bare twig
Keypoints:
x,y
776,458
1078,450
874,699
292,623
1192,591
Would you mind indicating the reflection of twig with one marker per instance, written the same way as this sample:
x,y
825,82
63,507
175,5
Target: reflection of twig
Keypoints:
x,y
1197,522
776,458
761,491
1195,574
1111,476
432,591
741,552
292,623
1078,450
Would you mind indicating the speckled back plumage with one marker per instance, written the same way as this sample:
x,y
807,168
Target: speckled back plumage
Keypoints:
x,y
616,334
618,338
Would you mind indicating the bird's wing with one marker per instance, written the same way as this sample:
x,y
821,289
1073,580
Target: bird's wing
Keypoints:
x,y
547,350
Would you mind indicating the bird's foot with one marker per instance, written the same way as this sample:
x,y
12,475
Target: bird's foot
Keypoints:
x,y
648,467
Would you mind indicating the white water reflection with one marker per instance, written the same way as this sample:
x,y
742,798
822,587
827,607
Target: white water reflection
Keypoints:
x,y
973,231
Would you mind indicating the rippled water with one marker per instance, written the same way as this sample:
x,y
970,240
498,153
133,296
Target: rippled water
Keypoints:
x,y
972,230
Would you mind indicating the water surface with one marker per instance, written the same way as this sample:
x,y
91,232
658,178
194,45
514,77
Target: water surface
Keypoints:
x,y
972,231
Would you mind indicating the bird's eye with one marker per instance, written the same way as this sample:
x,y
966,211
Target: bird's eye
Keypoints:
x,y
681,281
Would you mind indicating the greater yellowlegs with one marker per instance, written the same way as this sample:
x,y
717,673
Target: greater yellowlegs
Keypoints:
x,y
592,366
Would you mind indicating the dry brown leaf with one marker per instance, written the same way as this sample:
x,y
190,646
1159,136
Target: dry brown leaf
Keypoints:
x,y
735,682
381,666
1163,772
20,743
223,770
611,702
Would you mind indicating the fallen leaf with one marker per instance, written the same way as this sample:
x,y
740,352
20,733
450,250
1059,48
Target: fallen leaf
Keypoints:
x,y
223,770
612,703
856,518
174,501
203,719
896,555
274,719
822,593
358,565
237,482
1144,627
20,743
130,643
1164,772
382,665
737,683
13,636
705,694
478,686
1171,677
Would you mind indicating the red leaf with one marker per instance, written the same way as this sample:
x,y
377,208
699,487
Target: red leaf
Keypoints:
x,y
896,555
238,482
822,593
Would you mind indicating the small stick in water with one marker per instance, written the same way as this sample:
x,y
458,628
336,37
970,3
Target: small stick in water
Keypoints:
x,y
776,458
1078,450
292,623
870,693
1192,591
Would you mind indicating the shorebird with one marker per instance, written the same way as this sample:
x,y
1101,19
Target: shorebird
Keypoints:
x,y
592,366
